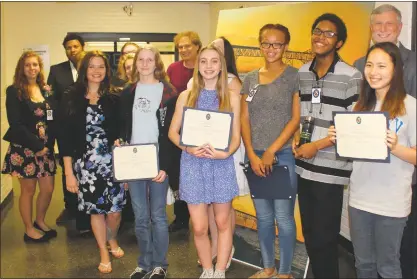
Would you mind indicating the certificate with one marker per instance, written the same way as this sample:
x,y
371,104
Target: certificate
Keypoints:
x,y
361,136
135,162
206,126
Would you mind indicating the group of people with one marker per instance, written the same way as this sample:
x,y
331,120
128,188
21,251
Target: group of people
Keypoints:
x,y
89,112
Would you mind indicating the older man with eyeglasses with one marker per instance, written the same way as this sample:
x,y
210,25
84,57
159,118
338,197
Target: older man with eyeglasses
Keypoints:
x,y
188,44
386,26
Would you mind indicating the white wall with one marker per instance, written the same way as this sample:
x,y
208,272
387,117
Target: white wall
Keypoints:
x,y
48,22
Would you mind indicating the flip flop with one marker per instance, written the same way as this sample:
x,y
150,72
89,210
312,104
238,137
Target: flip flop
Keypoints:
x,y
107,268
118,253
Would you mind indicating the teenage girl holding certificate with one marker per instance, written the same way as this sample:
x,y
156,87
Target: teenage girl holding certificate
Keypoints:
x,y
380,193
208,176
146,107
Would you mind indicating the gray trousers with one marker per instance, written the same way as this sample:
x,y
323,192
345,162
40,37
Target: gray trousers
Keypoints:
x,y
376,242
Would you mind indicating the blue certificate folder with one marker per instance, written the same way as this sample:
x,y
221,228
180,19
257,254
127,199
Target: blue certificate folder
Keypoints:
x,y
275,186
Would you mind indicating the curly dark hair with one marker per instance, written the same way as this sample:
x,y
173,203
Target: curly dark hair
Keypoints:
x,y
73,36
337,21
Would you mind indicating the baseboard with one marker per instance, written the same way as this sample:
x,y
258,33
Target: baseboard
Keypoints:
x,y
6,205
7,200
346,243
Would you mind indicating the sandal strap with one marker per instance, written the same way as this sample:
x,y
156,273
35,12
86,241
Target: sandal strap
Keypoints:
x,y
118,250
107,265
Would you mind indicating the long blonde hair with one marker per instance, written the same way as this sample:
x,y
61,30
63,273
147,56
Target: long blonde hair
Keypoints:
x,y
121,71
222,88
159,73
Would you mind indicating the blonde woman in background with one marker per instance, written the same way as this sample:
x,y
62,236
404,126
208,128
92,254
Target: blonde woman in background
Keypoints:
x,y
124,69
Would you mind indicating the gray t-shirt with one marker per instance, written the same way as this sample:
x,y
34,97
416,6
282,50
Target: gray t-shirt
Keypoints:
x,y
271,107
145,123
385,188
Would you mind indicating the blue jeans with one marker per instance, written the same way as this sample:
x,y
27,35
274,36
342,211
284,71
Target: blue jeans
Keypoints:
x,y
376,242
151,224
281,211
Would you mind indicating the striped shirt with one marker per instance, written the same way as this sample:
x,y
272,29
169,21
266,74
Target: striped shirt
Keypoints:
x,y
340,88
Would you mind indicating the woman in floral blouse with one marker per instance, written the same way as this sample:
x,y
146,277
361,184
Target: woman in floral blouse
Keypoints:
x,y
30,157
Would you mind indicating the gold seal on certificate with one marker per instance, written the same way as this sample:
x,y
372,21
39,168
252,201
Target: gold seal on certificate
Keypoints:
x,y
135,162
206,126
361,135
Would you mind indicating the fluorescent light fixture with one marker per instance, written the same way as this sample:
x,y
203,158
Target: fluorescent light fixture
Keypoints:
x,y
124,39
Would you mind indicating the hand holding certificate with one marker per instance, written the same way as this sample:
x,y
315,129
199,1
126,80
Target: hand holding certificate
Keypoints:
x,y
204,126
135,162
361,135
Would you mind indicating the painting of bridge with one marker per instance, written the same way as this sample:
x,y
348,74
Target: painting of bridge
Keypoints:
x,y
293,58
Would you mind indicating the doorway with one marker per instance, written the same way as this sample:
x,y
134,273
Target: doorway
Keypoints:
x,y
112,43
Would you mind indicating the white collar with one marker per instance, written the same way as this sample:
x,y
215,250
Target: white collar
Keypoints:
x,y
73,71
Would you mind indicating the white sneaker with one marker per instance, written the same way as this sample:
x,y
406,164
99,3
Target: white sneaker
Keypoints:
x,y
207,273
219,274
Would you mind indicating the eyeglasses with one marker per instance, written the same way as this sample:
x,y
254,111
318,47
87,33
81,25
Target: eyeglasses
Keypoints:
x,y
327,33
274,45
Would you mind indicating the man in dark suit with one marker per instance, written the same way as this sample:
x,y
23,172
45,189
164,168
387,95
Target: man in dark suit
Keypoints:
x,y
386,27
61,76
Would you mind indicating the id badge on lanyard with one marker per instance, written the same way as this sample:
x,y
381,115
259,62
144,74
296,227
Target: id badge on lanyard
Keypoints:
x,y
252,93
49,113
316,95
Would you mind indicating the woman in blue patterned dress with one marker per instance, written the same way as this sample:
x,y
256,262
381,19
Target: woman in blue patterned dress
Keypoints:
x,y
89,127
208,176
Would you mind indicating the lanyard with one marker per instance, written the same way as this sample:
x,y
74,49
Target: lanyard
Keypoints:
x,y
398,125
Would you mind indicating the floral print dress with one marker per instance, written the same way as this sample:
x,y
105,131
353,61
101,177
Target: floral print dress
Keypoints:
x,y
98,194
22,162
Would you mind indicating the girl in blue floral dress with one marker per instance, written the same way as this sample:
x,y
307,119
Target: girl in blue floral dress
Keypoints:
x,y
89,127
98,194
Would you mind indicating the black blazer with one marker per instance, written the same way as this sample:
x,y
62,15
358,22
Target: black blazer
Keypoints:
x,y
22,122
168,152
73,122
60,78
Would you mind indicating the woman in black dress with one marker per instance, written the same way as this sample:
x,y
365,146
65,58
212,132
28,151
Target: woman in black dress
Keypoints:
x,y
30,157
89,127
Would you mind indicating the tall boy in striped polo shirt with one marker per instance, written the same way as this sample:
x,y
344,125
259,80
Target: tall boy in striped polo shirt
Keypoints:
x,y
327,84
